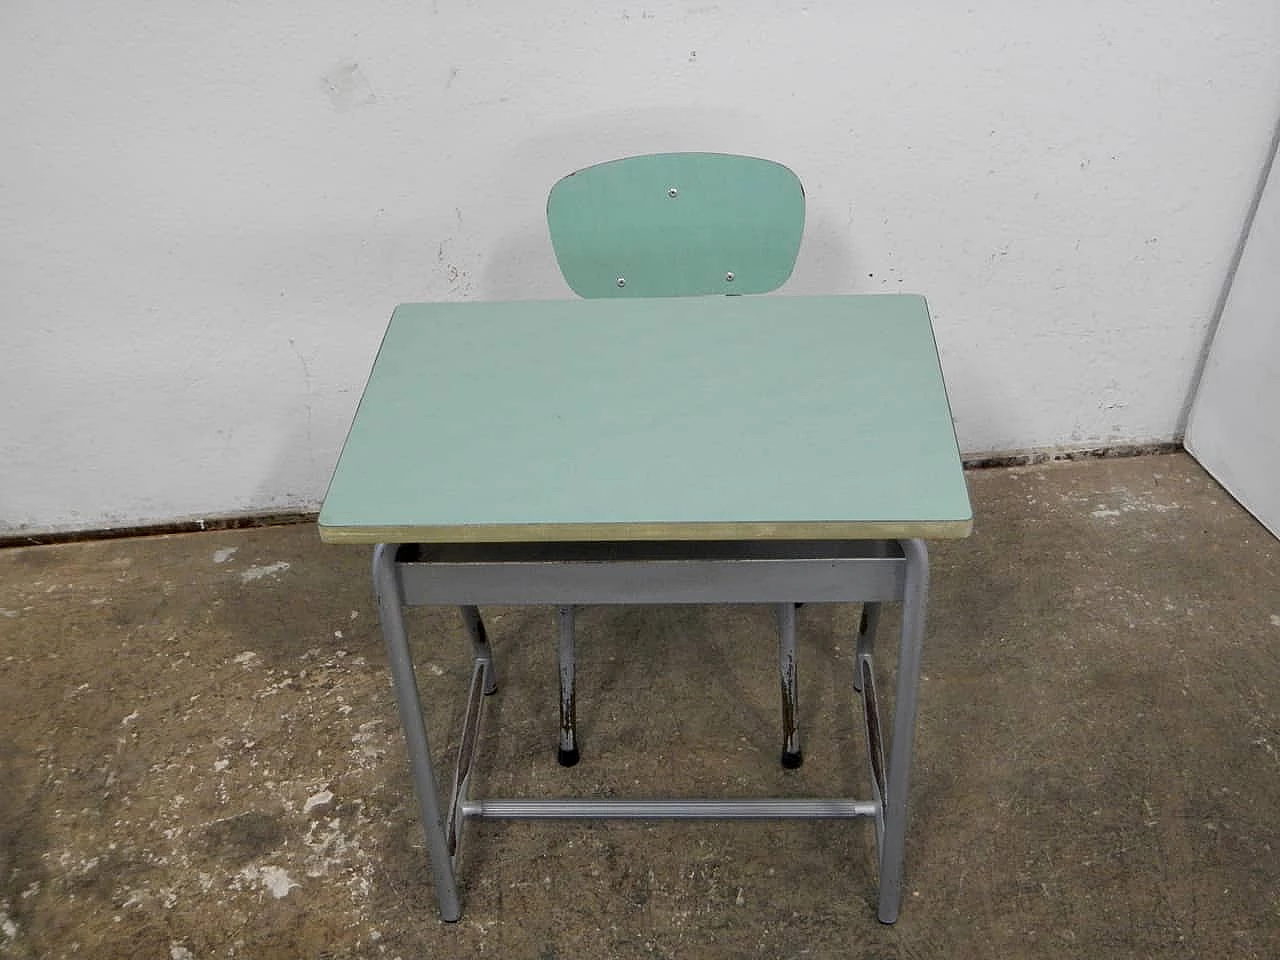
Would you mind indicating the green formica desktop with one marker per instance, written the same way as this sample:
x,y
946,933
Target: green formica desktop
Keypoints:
x,y
769,449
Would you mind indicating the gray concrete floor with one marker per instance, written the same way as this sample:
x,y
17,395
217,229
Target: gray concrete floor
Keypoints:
x,y
1097,769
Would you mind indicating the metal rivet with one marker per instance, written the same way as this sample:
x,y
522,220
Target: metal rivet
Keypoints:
x,y
672,192
622,281
729,277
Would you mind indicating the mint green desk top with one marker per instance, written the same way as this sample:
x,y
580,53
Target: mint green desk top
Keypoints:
x,y
666,419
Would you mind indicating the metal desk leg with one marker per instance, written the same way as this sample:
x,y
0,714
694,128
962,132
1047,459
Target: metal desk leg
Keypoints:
x,y
869,623
390,602
915,597
867,628
792,757
480,649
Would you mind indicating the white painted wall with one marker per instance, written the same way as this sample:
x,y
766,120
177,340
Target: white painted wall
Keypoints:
x,y
1233,429
208,210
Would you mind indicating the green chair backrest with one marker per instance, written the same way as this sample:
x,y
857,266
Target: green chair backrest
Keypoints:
x,y
676,225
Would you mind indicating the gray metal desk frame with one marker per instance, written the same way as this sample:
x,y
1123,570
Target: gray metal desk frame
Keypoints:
x,y
561,574
629,451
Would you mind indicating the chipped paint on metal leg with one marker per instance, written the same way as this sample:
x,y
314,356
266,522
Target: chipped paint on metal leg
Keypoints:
x,y
567,754
792,756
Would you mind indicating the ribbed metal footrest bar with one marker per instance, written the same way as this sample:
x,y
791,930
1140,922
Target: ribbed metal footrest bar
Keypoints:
x,y
667,809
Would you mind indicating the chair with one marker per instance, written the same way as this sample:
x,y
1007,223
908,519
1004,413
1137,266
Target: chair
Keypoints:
x,y
673,225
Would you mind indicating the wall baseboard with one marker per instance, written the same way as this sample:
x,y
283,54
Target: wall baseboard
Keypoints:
x,y
232,521
1028,458
243,521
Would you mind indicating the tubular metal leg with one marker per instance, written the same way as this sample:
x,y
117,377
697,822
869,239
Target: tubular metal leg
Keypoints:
x,y
915,597
480,648
568,754
792,757
390,601
867,628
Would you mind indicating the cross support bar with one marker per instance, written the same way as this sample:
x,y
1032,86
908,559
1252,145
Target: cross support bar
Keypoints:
x,y
780,809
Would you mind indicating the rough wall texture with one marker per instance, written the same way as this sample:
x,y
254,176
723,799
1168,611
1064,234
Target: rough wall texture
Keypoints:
x,y
208,212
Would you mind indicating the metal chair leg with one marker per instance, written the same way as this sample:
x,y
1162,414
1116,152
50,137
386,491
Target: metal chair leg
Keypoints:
x,y
568,753
792,756
480,648
915,596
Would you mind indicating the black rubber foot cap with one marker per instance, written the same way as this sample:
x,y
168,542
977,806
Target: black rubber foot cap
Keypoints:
x,y
792,761
567,758
491,691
